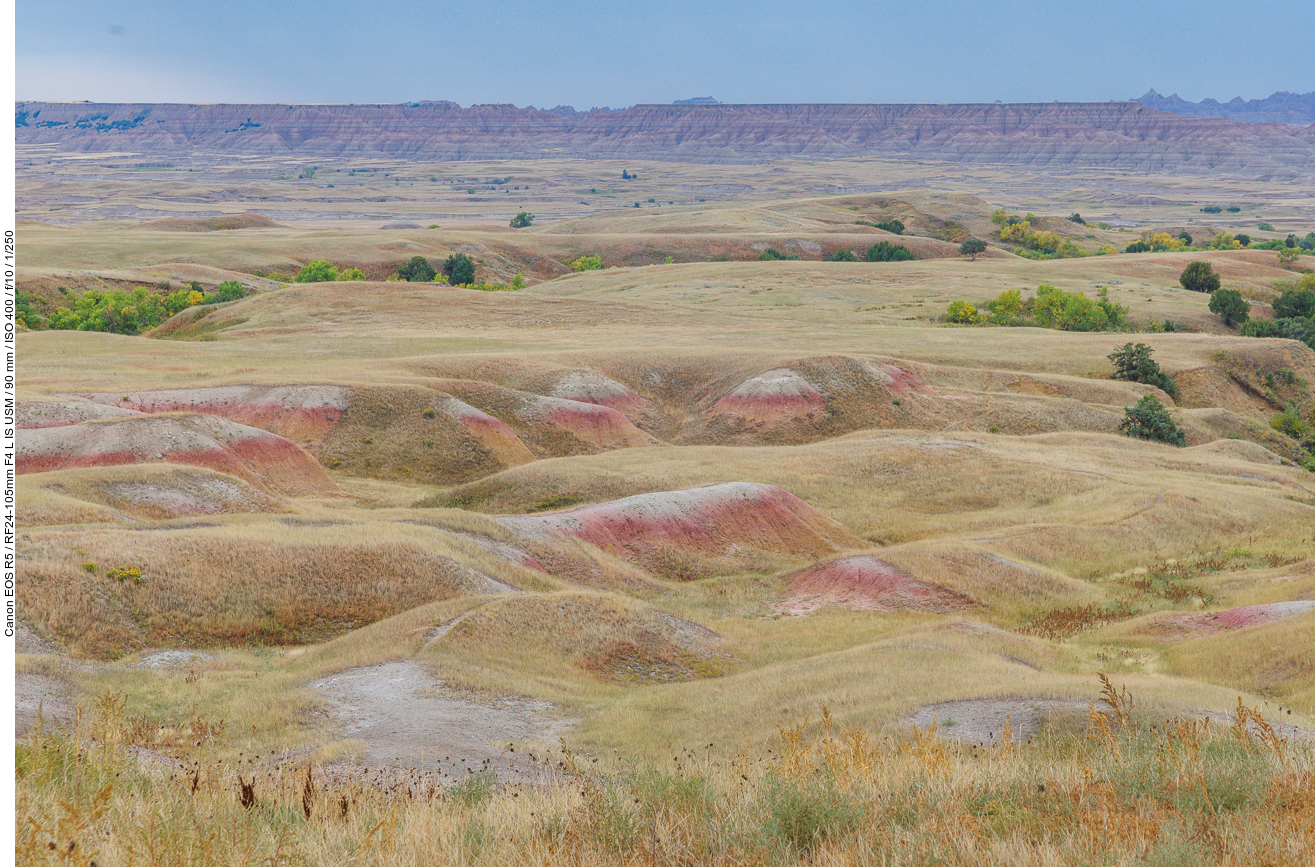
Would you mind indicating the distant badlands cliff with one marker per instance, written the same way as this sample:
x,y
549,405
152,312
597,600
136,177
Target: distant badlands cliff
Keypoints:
x,y
1124,135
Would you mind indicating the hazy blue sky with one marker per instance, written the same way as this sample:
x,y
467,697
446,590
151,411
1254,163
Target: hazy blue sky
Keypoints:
x,y
593,53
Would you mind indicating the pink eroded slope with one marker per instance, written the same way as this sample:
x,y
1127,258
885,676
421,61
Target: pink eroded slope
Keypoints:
x,y
866,583
258,456
589,387
1236,618
304,412
709,519
900,381
772,394
490,432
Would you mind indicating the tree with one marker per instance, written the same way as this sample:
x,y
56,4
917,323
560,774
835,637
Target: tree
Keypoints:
x,y
522,220
1199,277
1290,242
1211,209
1138,247
459,269
1295,304
1185,238
316,271
884,251
1287,257
418,270
1135,364
1077,218
972,248
1149,420
1244,240
895,227
844,254
1230,304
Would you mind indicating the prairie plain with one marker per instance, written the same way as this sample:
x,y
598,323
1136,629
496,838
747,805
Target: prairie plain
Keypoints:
x,y
647,529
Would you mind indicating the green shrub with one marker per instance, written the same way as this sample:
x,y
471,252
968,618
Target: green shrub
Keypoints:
x,y
801,814
1149,420
1134,363
522,220
1290,423
842,255
1296,328
1137,247
773,255
131,573
884,251
895,227
1211,209
1007,304
1230,305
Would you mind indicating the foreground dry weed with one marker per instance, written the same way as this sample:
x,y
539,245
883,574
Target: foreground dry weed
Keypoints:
x,y
1130,791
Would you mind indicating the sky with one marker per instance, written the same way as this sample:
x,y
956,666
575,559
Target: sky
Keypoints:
x,y
595,53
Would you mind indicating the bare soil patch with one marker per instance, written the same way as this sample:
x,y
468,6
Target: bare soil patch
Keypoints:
x,y
406,719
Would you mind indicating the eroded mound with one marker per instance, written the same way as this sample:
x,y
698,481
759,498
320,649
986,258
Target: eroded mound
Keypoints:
x,y
606,636
552,426
143,491
32,414
214,224
257,456
867,583
109,592
817,398
717,520
299,412
1233,618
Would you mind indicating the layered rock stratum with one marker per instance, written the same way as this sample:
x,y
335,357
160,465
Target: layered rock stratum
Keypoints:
x,y
1123,135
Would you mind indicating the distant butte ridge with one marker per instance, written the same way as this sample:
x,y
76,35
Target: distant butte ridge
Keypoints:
x,y
1124,135
1281,107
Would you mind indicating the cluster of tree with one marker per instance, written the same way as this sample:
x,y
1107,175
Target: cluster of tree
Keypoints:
x,y
627,175
771,254
884,251
1032,244
1294,315
120,312
1159,242
895,227
320,271
1051,308
587,263
522,220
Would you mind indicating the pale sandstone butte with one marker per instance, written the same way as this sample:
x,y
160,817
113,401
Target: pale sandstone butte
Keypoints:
x,y
1123,135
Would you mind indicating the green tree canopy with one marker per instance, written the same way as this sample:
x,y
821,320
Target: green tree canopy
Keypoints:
x,y
1149,420
459,269
884,251
316,271
844,254
1229,304
418,270
522,220
1135,364
1199,277
1295,303
972,248
895,227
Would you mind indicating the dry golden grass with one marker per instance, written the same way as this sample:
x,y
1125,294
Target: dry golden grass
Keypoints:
x,y
1120,791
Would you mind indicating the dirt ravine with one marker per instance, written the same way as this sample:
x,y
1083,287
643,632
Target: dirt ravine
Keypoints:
x,y
401,713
